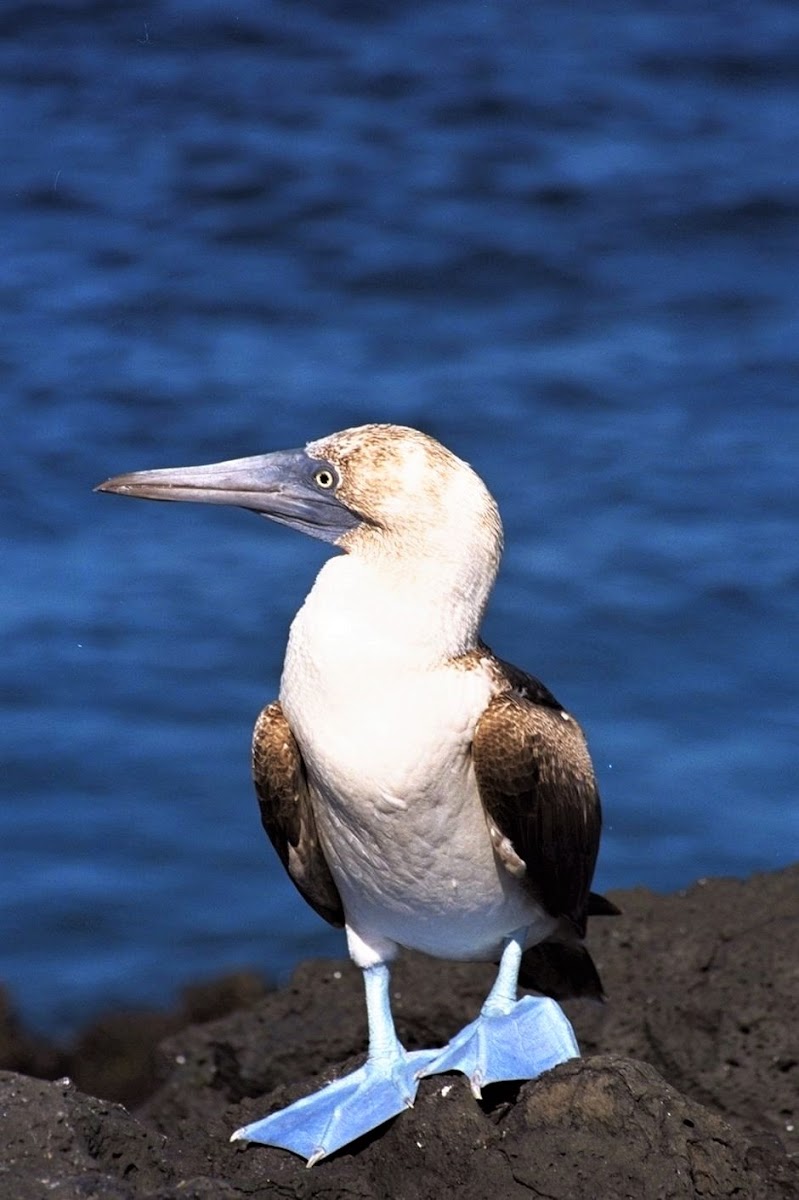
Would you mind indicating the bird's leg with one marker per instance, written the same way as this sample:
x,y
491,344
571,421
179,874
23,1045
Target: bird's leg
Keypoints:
x,y
511,1039
347,1108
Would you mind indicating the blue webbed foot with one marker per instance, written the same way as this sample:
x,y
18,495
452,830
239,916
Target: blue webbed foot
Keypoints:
x,y
348,1108
344,1110
511,1039
529,1037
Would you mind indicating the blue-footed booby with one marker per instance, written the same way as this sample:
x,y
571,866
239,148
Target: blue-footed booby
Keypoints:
x,y
419,791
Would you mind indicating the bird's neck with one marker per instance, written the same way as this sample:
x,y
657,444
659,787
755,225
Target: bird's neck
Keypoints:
x,y
413,613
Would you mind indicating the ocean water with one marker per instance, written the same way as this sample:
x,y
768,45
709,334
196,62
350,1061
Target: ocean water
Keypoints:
x,y
563,242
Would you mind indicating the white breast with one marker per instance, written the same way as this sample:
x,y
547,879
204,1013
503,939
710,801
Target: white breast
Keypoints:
x,y
385,736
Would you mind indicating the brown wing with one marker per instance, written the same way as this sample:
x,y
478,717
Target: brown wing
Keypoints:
x,y
286,812
537,785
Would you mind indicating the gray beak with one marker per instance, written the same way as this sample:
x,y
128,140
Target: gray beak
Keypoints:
x,y
288,486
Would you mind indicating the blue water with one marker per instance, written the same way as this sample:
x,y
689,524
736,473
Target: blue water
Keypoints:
x,y
562,241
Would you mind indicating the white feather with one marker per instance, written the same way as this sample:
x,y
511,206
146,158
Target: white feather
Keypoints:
x,y
385,723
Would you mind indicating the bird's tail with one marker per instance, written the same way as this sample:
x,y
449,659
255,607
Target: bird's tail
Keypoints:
x,y
561,970
562,967
600,906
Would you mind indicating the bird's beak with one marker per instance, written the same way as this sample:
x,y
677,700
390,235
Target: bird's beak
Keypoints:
x,y
284,486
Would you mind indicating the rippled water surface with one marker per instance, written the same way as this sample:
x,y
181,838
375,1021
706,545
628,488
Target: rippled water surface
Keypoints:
x,y
565,243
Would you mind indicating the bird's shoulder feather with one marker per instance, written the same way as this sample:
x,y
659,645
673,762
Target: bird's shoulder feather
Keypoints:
x,y
287,815
537,785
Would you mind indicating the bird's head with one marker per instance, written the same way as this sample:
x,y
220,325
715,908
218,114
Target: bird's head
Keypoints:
x,y
377,490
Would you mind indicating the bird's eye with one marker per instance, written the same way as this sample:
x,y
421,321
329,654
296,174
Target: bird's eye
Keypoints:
x,y
324,478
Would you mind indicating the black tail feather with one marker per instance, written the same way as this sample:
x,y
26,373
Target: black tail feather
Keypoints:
x,y
560,970
600,906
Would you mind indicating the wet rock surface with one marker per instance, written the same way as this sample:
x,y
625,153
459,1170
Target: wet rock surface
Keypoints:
x,y
689,1084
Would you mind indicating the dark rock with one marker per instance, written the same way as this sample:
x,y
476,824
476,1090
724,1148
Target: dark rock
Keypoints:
x,y
619,1130
59,1142
703,985
590,1129
118,1058
688,1088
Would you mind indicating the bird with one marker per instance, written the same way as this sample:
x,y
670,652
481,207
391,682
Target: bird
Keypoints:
x,y
421,792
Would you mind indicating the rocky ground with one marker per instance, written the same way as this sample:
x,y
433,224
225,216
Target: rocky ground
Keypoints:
x,y
689,1084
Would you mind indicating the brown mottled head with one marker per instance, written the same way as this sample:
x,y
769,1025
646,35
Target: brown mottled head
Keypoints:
x,y
414,497
378,490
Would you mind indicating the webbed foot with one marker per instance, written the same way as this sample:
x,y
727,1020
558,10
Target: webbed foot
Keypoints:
x,y
530,1037
344,1110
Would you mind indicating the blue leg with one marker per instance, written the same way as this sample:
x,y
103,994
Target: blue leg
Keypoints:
x,y
347,1108
511,1039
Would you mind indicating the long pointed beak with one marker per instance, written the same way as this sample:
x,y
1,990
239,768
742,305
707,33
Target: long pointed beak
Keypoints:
x,y
282,486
